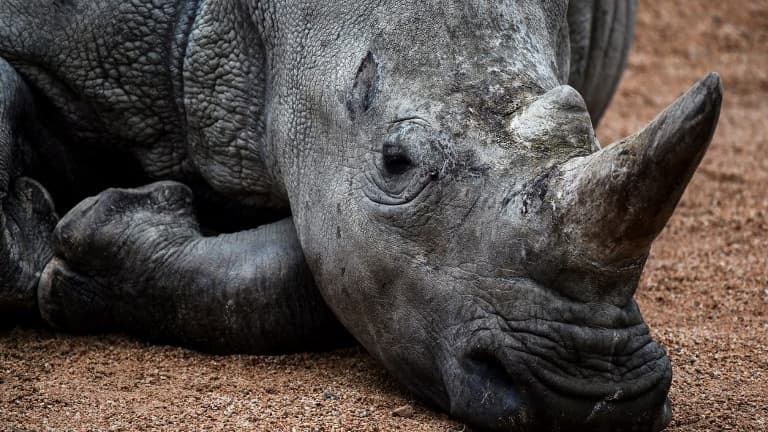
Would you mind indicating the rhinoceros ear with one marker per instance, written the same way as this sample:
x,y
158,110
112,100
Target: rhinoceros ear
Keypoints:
x,y
614,202
365,87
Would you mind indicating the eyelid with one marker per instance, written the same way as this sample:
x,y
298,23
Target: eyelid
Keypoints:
x,y
404,196
393,149
413,119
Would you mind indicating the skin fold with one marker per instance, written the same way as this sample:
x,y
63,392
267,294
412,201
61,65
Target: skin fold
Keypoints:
x,y
276,176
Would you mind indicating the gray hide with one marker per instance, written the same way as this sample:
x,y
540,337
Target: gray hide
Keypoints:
x,y
272,176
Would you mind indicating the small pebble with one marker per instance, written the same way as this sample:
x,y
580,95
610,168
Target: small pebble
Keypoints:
x,y
405,411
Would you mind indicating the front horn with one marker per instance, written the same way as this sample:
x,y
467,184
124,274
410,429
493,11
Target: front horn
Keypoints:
x,y
614,202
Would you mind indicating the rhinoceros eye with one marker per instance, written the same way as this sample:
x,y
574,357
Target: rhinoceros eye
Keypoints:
x,y
409,159
395,158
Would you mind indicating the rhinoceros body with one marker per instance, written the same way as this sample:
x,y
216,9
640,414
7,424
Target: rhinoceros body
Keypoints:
x,y
269,176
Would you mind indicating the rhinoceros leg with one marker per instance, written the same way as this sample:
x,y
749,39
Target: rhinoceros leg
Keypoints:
x,y
134,260
27,214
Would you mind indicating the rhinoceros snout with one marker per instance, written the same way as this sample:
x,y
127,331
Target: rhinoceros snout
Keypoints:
x,y
495,393
556,365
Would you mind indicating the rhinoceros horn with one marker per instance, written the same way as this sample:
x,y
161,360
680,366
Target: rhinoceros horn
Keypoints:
x,y
614,202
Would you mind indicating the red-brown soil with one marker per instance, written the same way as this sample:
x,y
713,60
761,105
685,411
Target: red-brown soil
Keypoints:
x,y
704,291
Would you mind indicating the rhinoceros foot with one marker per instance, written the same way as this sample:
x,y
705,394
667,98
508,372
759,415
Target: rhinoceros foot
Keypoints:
x,y
135,260
106,249
27,220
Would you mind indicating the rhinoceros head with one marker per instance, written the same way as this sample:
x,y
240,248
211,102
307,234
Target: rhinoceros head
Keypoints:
x,y
463,223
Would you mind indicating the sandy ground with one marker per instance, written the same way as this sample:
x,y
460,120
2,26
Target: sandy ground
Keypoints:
x,y
704,291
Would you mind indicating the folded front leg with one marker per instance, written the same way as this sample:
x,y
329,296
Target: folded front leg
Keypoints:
x,y
27,213
135,261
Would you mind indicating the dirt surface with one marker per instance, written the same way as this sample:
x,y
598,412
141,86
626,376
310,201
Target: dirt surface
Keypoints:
x,y
704,292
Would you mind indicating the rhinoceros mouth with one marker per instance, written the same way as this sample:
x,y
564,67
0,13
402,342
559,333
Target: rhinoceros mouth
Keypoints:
x,y
592,375
521,377
577,361
540,374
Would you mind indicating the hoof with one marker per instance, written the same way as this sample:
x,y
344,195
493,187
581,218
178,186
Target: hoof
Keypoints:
x,y
88,234
105,252
61,299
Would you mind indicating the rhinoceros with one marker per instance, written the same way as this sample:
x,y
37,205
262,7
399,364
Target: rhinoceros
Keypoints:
x,y
270,176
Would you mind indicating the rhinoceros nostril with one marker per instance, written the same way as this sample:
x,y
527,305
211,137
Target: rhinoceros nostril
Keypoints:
x,y
488,366
482,392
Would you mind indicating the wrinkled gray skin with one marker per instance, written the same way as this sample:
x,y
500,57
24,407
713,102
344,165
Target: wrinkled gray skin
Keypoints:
x,y
422,166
